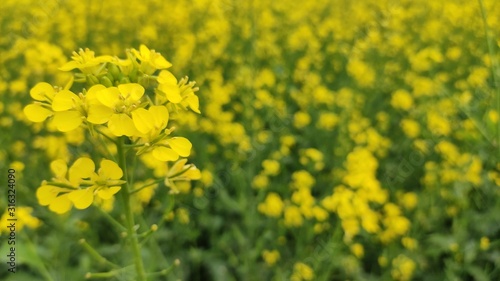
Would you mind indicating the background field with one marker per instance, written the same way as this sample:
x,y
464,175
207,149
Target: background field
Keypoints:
x,y
337,140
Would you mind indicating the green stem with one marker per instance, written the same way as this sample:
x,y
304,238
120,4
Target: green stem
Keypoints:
x,y
132,235
118,225
96,255
146,185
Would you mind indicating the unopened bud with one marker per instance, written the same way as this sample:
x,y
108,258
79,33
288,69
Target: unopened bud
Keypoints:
x,y
106,82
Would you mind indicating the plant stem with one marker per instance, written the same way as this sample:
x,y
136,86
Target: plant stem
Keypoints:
x,y
131,232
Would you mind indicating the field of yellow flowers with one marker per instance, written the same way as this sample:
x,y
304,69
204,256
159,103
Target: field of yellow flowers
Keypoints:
x,y
322,140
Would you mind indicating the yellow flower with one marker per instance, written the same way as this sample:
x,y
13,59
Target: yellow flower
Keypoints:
x,y
24,219
301,119
272,205
271,167
484,243
411,128
86,61
293,216
260,181
181,172
78,185
401,99
43,93
409,243
402,268
181,93
358,250
150,60
271,257
119,102
409,200
302,271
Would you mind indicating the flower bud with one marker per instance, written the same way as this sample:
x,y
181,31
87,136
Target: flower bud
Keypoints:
x,y
114,71
106,82
92,80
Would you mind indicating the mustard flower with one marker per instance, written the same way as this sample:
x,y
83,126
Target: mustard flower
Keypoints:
x,y
117,105
78,184
181,93
151,124
181,172
150,60
86,61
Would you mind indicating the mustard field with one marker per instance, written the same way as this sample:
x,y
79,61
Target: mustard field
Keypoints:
x,y
219,140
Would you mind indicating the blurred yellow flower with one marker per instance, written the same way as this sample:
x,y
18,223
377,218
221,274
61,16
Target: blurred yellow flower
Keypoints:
x,y
271,257
272,205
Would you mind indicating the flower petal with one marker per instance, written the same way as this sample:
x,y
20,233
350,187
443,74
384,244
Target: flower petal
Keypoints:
x,y
36,113
180,145
122,124
82,198
66,121
59,168
64,100
142,120
42,91
61,204
47,193
108,192
70,66
160,116
83,168
110,170
91,95
165,154
131,91
109,96
193,103
99,114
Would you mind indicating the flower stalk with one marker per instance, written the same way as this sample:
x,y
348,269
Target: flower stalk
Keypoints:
x,y
129,216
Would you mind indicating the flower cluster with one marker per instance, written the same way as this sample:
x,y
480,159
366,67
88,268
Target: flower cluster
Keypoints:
x,y
134,98
78,185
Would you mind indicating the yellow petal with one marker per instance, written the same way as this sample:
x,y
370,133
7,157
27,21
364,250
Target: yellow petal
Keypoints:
x,y
165,154
122,124
166,77
192,174
110,170
47,193
42,92
180,145
69,66
143,120
66,121
61,204
160,116
59,168
145,52
160,62
172,92
131,91
109,96
36,112
106,193
83,168
91,95
177,167
99,114
82,198
193,103
102,59
64,100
